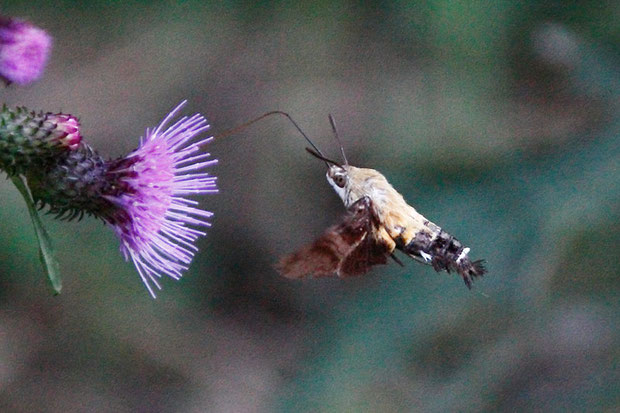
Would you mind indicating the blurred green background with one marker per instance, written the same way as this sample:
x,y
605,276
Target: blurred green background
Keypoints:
x,y
499,121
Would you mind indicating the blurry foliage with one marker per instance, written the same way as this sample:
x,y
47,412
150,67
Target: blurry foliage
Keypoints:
x,y
499,121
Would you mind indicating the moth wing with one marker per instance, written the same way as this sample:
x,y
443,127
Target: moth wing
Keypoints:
x,y
347,249
371,250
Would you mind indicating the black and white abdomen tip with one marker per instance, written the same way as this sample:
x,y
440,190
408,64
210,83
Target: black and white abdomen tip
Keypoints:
x,y
445,253
469,269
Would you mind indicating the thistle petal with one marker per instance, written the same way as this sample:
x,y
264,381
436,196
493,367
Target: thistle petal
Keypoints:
x,y
151,218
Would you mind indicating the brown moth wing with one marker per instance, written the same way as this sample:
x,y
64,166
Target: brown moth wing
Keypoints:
x,y
347,249
371,250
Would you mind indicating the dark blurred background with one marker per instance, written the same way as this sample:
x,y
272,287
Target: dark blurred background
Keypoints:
x,y
500,121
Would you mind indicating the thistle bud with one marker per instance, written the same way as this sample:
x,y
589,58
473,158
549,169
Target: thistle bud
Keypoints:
x,y
24,50
30,140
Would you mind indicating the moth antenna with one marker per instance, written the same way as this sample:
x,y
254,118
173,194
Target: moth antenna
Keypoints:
x,y
263,116
332,121
321,157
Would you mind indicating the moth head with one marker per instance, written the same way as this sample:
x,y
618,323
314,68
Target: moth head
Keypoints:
x,y
338,178
337,175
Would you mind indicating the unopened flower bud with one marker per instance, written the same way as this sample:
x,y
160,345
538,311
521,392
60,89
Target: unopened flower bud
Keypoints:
x,y
28,139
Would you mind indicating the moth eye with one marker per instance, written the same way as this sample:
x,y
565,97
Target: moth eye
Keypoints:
x,y
340,180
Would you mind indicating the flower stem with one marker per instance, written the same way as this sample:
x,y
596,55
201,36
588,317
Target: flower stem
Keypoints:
x,y
46,251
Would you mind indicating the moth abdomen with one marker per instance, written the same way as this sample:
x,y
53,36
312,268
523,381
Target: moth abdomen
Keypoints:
x,y
445,253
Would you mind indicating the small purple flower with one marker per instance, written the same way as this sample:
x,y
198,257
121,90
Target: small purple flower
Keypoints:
x,y
24,50
152,214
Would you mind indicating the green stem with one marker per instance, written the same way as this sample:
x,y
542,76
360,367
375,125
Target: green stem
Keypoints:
x,y
46,251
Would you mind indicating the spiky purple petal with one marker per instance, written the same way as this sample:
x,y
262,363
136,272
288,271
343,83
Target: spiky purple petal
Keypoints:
x,y
153,218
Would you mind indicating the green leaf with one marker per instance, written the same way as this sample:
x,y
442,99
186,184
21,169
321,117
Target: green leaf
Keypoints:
x,y
46,250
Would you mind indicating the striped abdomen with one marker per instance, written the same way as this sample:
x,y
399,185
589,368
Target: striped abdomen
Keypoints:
x,y
444,253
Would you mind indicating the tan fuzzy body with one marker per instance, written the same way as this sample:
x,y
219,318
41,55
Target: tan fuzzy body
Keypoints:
x,y
399,220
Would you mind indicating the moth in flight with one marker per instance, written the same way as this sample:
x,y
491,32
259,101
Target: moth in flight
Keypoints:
x,y
378,222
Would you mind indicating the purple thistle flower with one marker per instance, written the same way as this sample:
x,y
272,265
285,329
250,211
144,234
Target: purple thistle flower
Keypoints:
x,y
24,50
152,217
142,196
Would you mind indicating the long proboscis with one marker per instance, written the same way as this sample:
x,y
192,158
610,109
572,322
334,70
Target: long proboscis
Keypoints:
x,y
263,116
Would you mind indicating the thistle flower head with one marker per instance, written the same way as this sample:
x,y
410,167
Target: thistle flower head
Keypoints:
x,y
24,50
142,196
152,216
